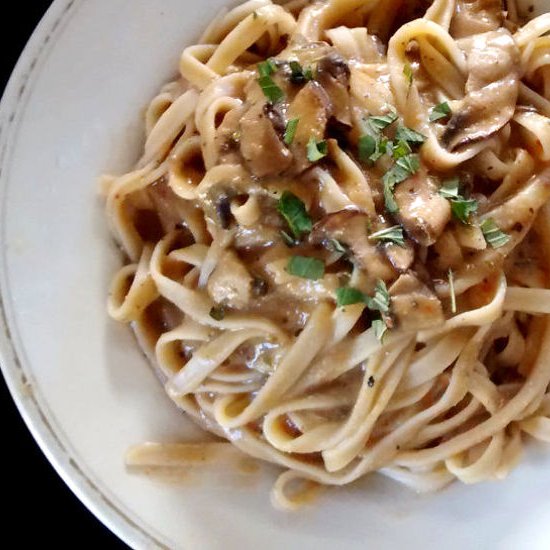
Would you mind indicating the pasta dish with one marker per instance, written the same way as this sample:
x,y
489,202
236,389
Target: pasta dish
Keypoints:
x,y
337,239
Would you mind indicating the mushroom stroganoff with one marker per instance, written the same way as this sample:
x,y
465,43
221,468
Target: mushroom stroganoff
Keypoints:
x,y
336,240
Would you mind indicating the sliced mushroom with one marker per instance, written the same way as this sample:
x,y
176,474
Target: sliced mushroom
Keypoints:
x,y
230,283
413,305
262,149
491,90
313,108
423,213
401,257
476,17
349,227
334,75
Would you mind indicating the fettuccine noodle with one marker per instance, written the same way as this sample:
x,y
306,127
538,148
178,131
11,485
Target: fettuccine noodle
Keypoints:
x,y
337,240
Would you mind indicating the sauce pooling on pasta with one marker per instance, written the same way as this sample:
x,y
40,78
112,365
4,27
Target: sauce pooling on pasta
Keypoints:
x,y
337,237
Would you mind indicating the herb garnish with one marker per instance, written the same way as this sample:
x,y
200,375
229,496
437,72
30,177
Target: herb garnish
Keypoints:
x,y
492,233
403,168
347,295
266,68
452,290
461,207
440,111
271,91
380,329
290,131
381,299
306,267
390,234
409,135
316,150
299,75
295,214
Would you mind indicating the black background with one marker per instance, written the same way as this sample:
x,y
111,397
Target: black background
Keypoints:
x,y
39,509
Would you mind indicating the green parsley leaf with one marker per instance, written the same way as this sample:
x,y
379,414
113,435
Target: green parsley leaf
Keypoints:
x,y
404,168
408,72
440,111
452,290
266,68
367,147
390,235
462,208
306,268
389,199
380,329
347,295
271,91
401,149
492,233
450,188
381,299
217,313
378,123
294,212
290,130
316,150
409,135
299,75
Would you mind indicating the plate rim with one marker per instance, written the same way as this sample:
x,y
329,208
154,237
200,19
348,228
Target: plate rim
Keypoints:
x,y
31,407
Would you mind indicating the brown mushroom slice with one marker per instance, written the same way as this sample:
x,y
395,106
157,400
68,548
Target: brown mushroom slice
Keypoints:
x,y
401,257
476,17
334,75
349,227
313,108
230,283
413,305
262,149
423,212
491,90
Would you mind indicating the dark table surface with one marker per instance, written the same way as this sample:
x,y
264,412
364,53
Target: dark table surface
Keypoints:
x,y
31,487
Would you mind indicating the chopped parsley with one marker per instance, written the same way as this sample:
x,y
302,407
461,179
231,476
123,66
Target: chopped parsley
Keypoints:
x,y
380,329
381,299
217,313
299,75
295,214
403,168
492,233
267,68
347,295
402,149
409,135
271,91
306,267
452,290
390,235
290,130
378,123
316,150
450,188
461,207
440,111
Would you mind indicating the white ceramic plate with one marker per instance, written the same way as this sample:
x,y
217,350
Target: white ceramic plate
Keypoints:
x,y
70,112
